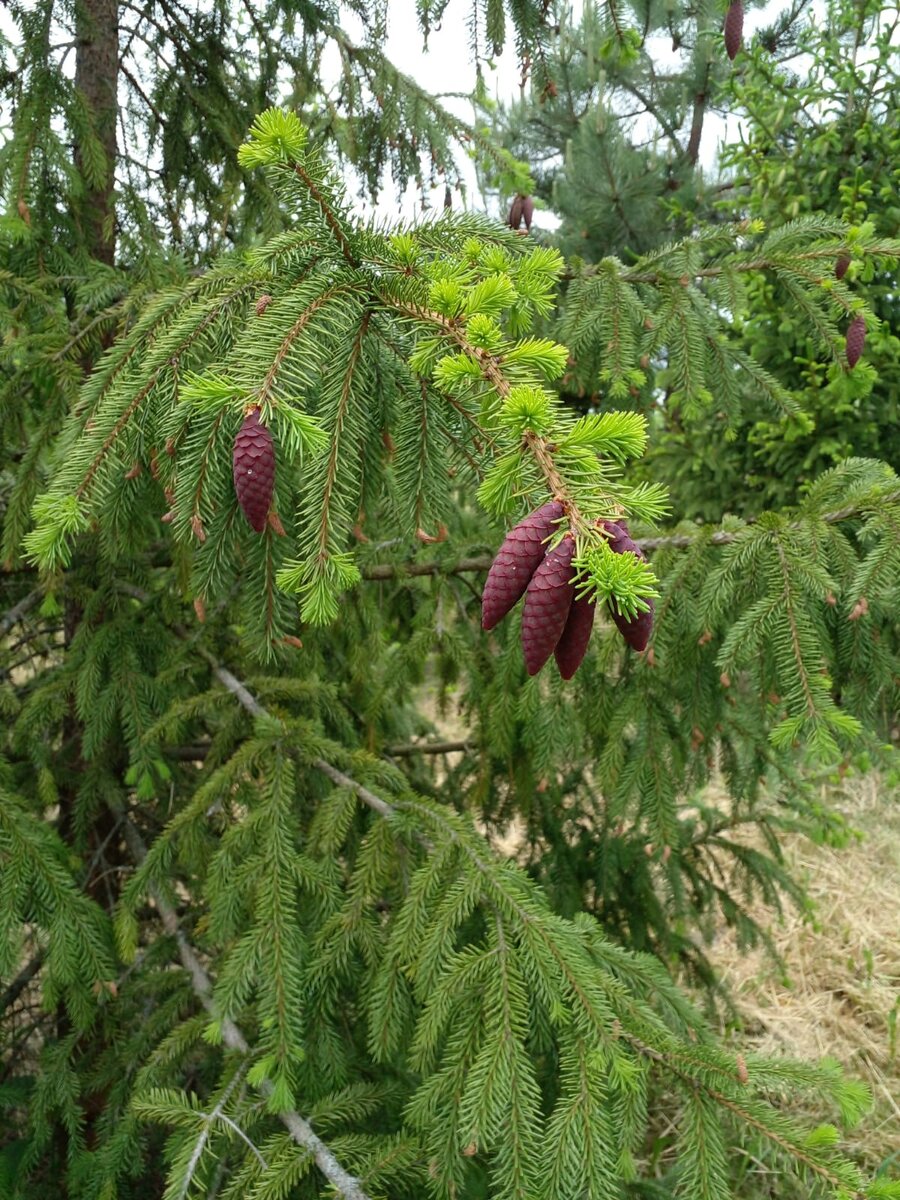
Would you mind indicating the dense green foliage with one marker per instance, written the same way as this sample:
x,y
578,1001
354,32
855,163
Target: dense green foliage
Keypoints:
x,y
217,756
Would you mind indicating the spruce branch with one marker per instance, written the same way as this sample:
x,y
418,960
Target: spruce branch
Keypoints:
x,y
301,1131
327,212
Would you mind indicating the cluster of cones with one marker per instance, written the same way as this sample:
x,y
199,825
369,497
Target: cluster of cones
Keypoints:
x,y
554,620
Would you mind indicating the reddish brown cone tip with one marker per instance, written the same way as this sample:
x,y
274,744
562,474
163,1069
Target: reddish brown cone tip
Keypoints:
x,y
840,267
635,630
517,560
856,339
253,463
572,646
734,28
514,220
548,601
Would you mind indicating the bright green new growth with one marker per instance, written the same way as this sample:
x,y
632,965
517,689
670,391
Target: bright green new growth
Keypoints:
x,y
439,312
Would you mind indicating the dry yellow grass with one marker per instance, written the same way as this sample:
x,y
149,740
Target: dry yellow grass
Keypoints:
x,y
841,996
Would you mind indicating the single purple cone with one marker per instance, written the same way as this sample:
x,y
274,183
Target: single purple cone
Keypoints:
x,y
840,267
635,630
572,646
517,560
856,339
514,220
548,601
734,28
253,464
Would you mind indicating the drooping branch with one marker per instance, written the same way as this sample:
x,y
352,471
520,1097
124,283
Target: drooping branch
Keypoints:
x,y
301,1131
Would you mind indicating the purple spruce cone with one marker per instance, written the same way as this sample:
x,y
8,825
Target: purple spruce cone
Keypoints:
x,y
548,601
253,462
517,560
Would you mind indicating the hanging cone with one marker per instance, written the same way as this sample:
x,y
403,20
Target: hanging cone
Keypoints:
x,y
548,601
517,560
635,630
840,267
734,28
856,339
514,220
253,462
573,644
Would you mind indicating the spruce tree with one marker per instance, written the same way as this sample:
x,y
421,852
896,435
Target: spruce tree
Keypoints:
x,y
255,942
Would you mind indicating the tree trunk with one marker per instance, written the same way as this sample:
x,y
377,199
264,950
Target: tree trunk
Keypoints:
x,y
96,78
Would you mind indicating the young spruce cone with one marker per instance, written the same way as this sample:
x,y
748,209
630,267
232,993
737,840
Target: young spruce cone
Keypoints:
x,y
635,630
840,267
734,27
517,560
572,646
548,601
856,338
253,463
514,220
527,211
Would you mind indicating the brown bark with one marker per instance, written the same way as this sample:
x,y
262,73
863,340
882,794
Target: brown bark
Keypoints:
x,y
96,78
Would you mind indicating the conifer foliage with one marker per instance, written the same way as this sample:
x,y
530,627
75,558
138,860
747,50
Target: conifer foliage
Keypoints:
x,y
263,950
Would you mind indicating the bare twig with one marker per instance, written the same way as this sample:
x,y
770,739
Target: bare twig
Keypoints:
x,y
18,611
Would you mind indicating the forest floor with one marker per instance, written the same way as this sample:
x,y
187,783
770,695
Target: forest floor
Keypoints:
x,y
839,994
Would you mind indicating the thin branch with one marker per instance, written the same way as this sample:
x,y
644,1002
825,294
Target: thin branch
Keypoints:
x,y
409,749
672,541
21,981
18,611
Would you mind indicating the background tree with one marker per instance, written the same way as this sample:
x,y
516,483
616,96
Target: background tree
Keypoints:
x,y
358,964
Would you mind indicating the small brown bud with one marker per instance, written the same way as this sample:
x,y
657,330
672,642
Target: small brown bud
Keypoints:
x,y
471,1149
430,539
167,518
860,608
197,527
290,640
200,609
831,599
262,304
742,1073
725,679
705,637
170,447
134,471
